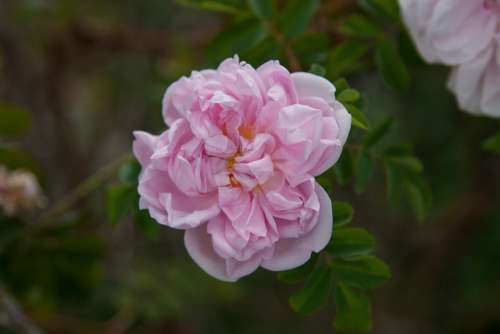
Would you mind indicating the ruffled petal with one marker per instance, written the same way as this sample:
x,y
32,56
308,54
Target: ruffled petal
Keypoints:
x,y
291,253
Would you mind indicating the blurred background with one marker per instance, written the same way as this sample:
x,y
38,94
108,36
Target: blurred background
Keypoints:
x,y
88,73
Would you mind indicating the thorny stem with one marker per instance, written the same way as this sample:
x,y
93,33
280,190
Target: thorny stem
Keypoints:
x,y
84,188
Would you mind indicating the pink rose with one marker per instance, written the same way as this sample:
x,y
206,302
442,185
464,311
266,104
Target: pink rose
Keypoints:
x,y
464,34
236,167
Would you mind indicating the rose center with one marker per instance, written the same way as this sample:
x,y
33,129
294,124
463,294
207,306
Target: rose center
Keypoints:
x,y
247,131
230,164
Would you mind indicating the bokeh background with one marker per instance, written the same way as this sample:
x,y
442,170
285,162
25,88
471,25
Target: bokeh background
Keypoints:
x,y
90,72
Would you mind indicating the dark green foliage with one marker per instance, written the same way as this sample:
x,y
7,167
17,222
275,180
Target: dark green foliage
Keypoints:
x,y
315,292
345,57
237,38
342,213
14,120
351,242
364,273
364,171
122,201
263,9
296,16
492,144
353,308
234,7
359,26
383,9
317,69
391,65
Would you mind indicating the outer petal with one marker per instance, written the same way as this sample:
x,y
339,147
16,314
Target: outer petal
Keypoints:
x,y
199,246
466,82
459,30
490,100
416,15
449,31
343,119
143,146
291,253
308,85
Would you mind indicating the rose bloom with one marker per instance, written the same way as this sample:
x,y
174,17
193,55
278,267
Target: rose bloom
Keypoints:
x,y
464,34
236,167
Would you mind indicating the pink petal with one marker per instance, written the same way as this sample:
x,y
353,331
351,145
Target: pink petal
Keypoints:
x,y
199,246
291,253
143,146
308,85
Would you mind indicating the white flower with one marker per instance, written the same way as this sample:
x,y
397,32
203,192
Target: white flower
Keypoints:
x,y
464,34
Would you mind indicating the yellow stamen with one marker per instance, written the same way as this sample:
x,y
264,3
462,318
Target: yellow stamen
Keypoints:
x,y
233,181
247,131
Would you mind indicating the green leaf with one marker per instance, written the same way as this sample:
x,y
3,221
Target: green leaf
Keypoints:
x,y
349,242
365,273
417,201
359,119
348,95
317,70
353,310
343,58
262,52
342,213
121,199
216,6
296,16
406,162
385,9
399,150
375,135
359,26
311,48
492,144
344,168
325,179
14,120
263,9
315,293
129,172
364,171
299,274
15,159
403,173
147,224
393,182
236,39
340,84
420,198
391,66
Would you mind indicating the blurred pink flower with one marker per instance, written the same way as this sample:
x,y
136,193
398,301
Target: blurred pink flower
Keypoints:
x,y
236,167
464,34
19,190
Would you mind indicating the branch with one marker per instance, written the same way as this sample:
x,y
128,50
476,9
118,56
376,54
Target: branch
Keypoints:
x,y
15,314
84,188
